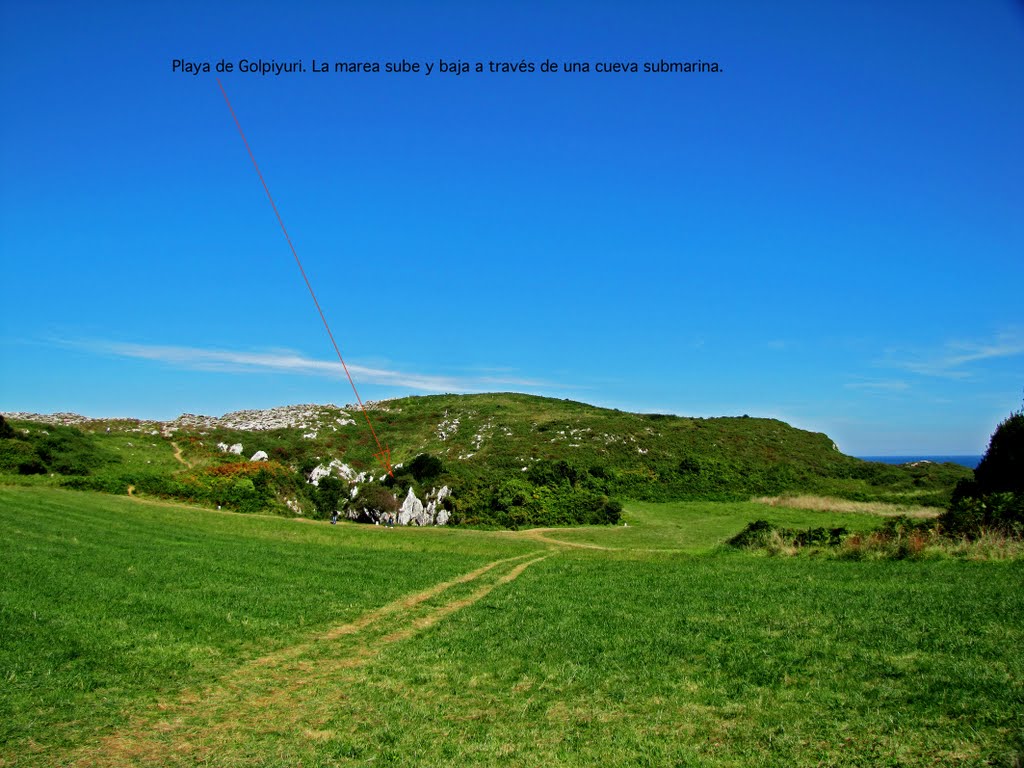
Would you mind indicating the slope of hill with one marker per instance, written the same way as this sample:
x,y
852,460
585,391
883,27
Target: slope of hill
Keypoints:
x,y
506,459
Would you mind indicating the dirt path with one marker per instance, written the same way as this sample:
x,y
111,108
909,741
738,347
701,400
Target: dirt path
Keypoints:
x,y
177,454
539,535
295,690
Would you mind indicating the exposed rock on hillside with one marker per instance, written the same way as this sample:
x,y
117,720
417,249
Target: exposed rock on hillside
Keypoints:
x,y
411,511
335,467
307,417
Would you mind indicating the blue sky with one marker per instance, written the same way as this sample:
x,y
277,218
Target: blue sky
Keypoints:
x,y
829,231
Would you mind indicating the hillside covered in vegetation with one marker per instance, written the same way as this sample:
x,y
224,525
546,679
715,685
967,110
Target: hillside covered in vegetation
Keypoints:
x,y
492,459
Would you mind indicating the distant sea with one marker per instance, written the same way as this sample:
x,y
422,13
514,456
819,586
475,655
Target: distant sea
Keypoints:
x,y
968,461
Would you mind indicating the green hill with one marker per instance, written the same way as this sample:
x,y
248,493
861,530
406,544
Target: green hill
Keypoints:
x,y
507,459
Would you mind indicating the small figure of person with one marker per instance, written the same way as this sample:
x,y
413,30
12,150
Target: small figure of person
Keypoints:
x,y
334,517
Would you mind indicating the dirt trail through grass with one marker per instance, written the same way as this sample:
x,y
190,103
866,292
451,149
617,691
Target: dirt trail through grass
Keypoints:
x,y
538,534
177,455
297,689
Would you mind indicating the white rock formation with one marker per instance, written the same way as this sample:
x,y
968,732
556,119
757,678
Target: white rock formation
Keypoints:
x,y
260,456
447,427
344,471
433,512
411,511
235,449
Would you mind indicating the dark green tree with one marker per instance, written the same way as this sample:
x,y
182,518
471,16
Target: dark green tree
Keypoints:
x,y
994,499
1002,467
377,499
327,495
425,467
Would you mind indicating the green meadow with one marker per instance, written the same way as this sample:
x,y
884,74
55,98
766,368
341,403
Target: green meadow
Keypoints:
x,y
140,632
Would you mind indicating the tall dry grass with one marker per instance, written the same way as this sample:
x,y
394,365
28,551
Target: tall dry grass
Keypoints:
x,y
829,504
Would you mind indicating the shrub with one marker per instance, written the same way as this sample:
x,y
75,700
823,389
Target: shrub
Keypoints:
x,y
19,456
327,495
755,534
761,534
425,467
1001,469
374,501
994,499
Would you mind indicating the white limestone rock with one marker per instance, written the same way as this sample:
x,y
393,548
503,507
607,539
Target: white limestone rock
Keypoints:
x,y
260,456
336,466
235,449
412,509
433,512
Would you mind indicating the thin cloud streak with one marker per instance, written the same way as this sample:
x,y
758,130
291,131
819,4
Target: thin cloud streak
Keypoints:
x,y
290,362
880,385
951,361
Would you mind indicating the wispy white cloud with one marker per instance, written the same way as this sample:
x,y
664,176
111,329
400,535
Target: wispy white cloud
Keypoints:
x,y
290,362
957,359
878,385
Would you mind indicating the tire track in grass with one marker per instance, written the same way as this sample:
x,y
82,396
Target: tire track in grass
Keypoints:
x,y
538,534
288,695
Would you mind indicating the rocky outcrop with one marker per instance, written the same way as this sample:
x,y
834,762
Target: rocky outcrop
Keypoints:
x,y
335,467
285,417
416,512
433,508
411,512
260,456
308,417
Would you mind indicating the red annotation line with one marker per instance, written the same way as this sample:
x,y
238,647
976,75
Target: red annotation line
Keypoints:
x,y
384,453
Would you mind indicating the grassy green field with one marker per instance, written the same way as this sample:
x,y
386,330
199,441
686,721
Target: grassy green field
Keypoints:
x,y
144,633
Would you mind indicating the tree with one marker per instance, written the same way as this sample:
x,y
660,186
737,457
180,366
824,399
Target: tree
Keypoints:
x,y
375,501
327,495
425,467
994,499
1002,467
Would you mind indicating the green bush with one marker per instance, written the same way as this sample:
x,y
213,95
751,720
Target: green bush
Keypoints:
x,y
994,500
373,501
21,457
1001,469
425,467
327,496
761,534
